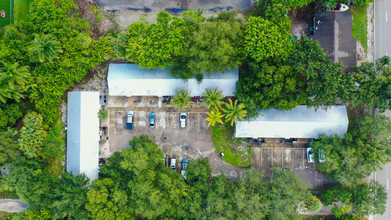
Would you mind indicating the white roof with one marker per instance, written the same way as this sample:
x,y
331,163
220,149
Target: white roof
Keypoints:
x,y
83,134
300,122
131,80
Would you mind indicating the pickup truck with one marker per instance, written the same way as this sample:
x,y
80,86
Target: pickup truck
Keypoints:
x,y
129,120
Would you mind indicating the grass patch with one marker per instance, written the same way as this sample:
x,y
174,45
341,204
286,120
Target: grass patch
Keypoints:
x,y
6,5
236,150
359,26
21,10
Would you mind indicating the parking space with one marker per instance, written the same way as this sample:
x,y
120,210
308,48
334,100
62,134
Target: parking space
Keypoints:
x,y
192,142
264,158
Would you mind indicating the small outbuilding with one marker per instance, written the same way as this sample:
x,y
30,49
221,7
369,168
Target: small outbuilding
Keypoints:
x,y
300,122
131,80
333,30
83,134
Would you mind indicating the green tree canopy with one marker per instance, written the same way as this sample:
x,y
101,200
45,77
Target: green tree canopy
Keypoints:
x,y
9,147
182,100
266,40
212,98
45,48
210,46
155,45
363,151
32,135
373,84
150,187
234,111
13,81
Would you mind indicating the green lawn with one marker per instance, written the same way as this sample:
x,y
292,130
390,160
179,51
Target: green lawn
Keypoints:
x,y
359,26
236,150
21,9
6,5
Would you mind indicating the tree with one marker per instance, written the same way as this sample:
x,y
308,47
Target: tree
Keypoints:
x,y
373,84
215,45
54,143
9,147
182,100
214,117
363,199
103,114
286,192
270,85
150,187
212,99
155,45
265,39
45,48
32,135
68,196
107,201
325,82
13,81
10,113
234,111
363,151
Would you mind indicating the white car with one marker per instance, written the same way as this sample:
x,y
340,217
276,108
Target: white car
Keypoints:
x,y
310,155
182,119
173,163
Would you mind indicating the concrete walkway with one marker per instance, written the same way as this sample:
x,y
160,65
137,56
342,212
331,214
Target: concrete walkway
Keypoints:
x,y
12,205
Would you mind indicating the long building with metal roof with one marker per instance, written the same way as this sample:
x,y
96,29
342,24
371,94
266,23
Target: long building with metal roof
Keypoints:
x,y
131,80
83,134
300,122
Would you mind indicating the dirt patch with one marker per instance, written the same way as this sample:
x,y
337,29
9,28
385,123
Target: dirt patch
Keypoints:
x,y
100,24
301,20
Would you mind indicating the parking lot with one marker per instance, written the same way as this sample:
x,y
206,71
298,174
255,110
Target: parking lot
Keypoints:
x,y
289,156
195,141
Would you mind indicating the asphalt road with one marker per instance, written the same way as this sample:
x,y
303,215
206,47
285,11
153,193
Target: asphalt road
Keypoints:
x,y
174,6
382,20
384,177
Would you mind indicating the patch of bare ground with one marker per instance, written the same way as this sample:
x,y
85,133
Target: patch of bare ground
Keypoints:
x,y
100,24
301,20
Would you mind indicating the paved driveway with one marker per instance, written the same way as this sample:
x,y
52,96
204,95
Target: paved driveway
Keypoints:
x,y
286,155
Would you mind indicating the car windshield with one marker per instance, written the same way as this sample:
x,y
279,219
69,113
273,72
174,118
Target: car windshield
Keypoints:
x,y
183,116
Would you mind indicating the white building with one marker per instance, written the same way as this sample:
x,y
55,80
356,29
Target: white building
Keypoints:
x,y
83,134
131,80
300,122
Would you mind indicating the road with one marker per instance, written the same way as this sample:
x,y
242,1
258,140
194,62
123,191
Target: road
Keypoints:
x,y
173,6
12,205
382,20
384,177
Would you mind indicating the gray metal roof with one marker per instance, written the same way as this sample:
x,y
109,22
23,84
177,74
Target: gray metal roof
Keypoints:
x,y
131,80
83,134
300,122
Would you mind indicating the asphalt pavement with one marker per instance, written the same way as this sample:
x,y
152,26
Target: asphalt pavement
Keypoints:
x,y
382,22
174,6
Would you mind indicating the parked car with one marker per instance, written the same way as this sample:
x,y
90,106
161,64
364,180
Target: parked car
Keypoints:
x,y
185,162
182,119
129,120
321,156
173,163
152,120
164,159
310,155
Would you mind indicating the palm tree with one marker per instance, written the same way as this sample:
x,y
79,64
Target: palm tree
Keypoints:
x,y
46,49
13,81
212,98
234,111
182,99
214,117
